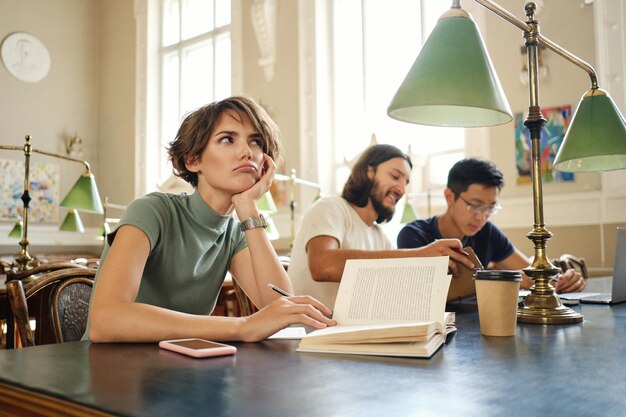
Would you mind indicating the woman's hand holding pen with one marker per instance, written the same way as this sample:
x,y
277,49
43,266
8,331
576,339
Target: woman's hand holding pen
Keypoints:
x,y
283,312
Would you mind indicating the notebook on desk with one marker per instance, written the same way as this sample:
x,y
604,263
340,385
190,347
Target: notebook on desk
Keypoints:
x,y
618,290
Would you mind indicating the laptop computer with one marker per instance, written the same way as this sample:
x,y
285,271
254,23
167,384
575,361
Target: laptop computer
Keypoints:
x,y
618,291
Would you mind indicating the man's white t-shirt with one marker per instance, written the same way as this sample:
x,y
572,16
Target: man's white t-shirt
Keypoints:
x,y
334,217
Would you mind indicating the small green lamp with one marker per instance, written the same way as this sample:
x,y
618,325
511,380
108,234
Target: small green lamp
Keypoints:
x,y
72,222
271,229
84,195
17,230
104,230
409,214
266,203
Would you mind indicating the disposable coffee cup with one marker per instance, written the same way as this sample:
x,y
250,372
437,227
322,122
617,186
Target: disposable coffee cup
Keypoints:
x,y
497,294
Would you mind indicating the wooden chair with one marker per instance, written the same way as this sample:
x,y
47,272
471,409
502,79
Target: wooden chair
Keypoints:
x,y
64,296
88,262
41,269
27,276
245,306
569,261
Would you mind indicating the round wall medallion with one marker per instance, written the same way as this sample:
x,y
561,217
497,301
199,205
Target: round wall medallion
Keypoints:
x,y
25,57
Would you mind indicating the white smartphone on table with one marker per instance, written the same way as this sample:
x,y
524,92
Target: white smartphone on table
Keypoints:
x,y
197,348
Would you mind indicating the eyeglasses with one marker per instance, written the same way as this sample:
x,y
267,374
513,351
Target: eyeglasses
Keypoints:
x,y
481,208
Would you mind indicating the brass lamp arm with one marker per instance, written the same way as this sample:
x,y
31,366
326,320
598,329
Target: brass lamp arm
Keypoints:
x,y
115,206
505,14
67,158
570,57
282,177
511,18
54,155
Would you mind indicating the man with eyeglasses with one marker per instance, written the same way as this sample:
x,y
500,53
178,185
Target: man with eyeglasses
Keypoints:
x,y
471,196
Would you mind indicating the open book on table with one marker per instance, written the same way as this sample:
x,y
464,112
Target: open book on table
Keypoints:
x,y
389,307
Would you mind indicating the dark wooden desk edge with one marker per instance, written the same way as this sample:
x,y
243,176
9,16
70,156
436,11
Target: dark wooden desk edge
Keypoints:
x,y
18,401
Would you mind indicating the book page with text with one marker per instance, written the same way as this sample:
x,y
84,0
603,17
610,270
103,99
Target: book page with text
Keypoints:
x,y
392,290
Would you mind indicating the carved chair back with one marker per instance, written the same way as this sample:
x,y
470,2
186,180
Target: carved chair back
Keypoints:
x,y
63,303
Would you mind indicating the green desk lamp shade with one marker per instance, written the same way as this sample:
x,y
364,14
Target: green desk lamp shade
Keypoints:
x,y
72,222
271,229
266,203
84,195
104,230
596,137
17,230
452,81
408,214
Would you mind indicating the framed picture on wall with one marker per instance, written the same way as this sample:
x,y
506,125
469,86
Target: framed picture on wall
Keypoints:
x,y
44,191
558,120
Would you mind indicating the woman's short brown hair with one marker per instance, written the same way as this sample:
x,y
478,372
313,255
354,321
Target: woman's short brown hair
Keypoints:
x,y
197,127
358,187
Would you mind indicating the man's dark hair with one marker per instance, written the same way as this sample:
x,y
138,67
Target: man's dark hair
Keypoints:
x,y
474,171
358,187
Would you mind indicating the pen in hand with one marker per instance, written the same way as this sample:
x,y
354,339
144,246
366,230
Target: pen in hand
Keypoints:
x,y
279,290
461,251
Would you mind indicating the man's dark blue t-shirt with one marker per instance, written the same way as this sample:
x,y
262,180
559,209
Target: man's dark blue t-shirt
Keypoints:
x,y
490,244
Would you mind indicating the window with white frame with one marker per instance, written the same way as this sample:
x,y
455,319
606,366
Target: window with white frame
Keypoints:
x,y
372,45
194,66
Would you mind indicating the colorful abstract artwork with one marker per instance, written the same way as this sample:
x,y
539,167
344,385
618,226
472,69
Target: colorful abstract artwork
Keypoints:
x,y
558,119
44,190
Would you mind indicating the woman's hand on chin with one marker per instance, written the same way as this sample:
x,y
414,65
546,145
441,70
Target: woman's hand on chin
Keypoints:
x,y
261,186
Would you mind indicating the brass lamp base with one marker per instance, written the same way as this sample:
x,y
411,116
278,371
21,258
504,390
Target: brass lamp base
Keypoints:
x,y
542,305
539,309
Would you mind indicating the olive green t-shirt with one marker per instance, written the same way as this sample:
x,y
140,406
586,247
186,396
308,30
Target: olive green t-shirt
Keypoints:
x,y
191,247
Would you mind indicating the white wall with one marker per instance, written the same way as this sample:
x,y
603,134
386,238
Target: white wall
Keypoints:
x,y
89,90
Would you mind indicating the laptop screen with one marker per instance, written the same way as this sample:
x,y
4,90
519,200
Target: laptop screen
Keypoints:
x,y
619,270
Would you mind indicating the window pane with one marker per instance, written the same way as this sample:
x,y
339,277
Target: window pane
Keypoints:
x,y
431,10
439,165
222,13
170,27
188,59
373,48
222,67
351,136
197,17
197,76
170,114
386,30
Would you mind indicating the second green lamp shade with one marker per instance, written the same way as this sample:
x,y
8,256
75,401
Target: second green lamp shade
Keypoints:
x,y
266,203
84,195
72,223
409,213
596,137
17,230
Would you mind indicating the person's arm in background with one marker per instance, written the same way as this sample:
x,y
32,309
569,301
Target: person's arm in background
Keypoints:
x,y
516,260
569,281
327,259
414,237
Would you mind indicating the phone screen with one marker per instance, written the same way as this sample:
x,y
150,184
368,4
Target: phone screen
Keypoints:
x,y
197,344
